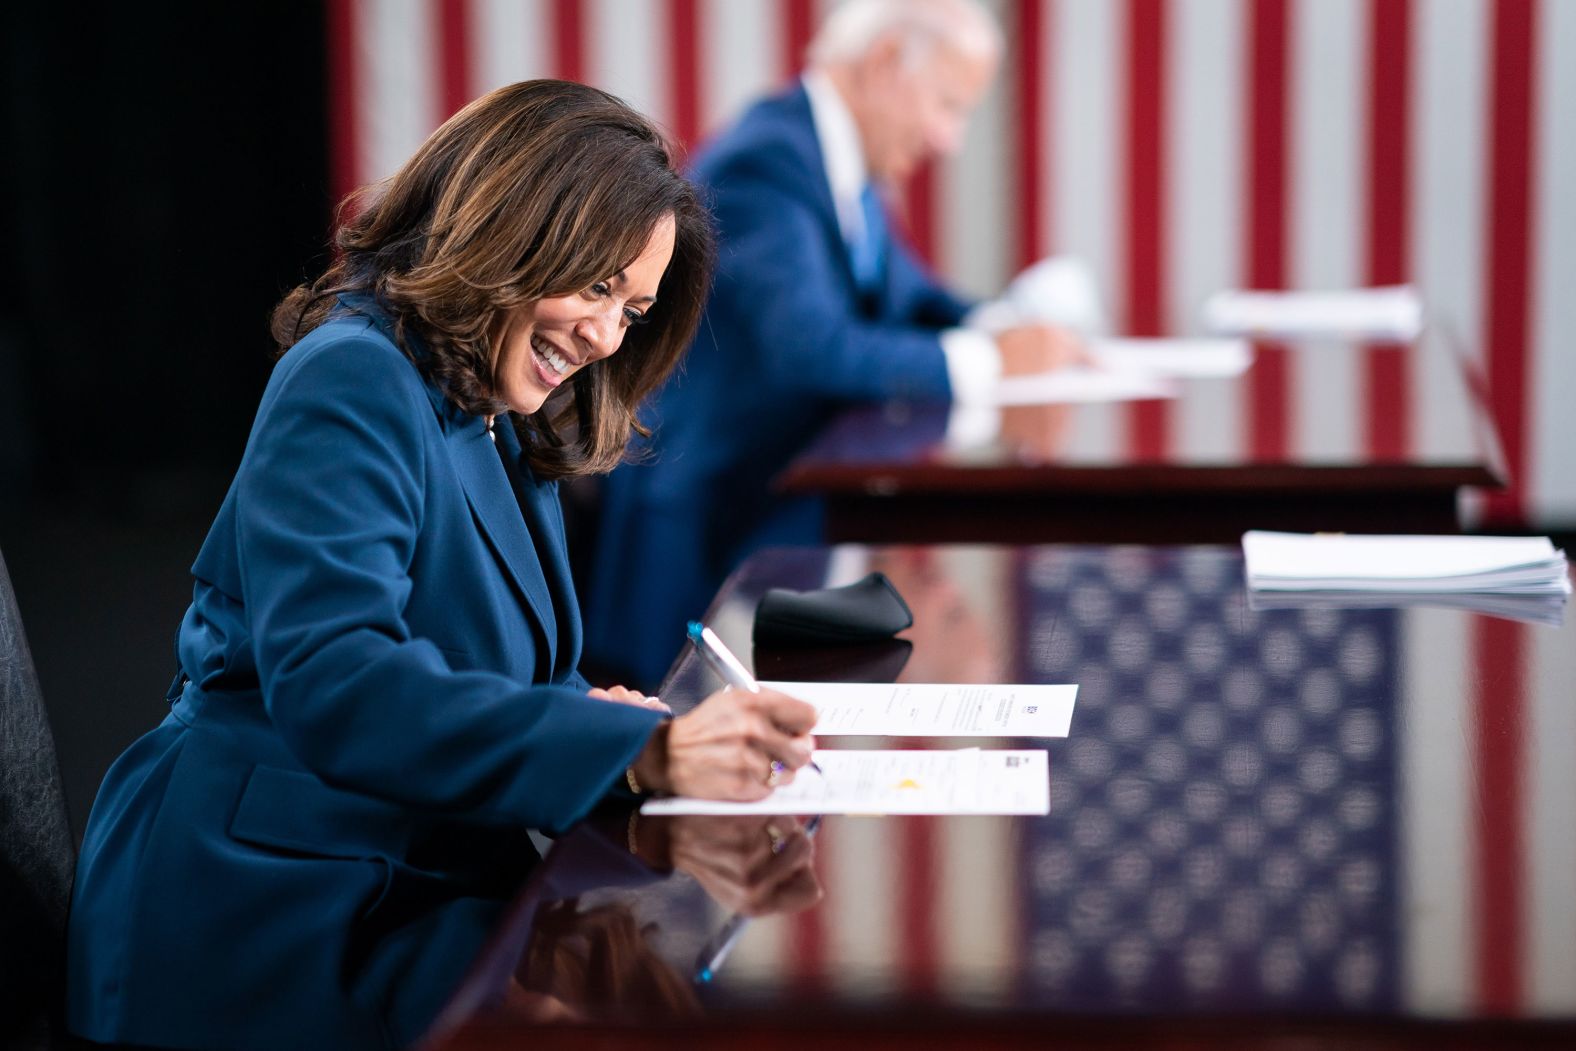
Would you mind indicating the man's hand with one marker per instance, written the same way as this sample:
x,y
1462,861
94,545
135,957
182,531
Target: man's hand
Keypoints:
x,y
1027,349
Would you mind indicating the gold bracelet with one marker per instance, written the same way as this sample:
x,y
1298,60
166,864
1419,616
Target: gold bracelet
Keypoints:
x,y
634,786
634,840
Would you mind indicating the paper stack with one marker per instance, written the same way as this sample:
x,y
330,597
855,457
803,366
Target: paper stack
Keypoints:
x,y
1122,370
1522,577
1389,313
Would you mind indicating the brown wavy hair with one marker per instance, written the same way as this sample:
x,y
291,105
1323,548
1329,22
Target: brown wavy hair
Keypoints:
x,y
538,189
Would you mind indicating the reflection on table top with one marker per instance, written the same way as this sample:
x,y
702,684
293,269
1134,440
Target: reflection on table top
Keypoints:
x,y
1265,822
1299,406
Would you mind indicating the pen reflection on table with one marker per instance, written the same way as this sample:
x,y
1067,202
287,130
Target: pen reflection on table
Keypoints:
x,y
792,888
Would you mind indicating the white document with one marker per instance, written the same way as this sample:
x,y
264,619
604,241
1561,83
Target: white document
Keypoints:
x,y
1182,358
936,709
1417,564
1391,312
1075,384
966,781
1058,290
1126,370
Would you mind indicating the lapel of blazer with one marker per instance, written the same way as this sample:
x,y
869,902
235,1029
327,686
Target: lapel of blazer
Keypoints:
x,y
540,504
488,492
497,513
796,108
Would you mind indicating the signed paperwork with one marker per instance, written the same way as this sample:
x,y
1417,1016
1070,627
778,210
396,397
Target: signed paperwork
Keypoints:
x,y
936,709
966,781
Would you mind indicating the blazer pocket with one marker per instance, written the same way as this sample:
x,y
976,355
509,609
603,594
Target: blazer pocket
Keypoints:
x,y
293,810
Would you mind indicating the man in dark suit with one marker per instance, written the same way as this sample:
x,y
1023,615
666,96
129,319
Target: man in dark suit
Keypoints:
x,y
816,305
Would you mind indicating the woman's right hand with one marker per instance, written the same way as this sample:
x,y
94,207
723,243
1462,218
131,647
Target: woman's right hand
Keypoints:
x,y
726,746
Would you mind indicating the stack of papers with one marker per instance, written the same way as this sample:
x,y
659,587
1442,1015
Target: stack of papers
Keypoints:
x,y
1390,313
1075,385
1407,565
966,781
1126,370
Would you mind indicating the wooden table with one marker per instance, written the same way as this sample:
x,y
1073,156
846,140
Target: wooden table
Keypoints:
x,y
1310,827
1203,468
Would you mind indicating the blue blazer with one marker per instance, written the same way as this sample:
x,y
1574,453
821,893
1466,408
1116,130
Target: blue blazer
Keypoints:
x,y
788,339
378,663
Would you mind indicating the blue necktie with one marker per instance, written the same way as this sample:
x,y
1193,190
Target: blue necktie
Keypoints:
x,y
867,255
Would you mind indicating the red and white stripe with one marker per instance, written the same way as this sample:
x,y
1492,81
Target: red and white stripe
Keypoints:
x,y
1489,862
1180,146
922,907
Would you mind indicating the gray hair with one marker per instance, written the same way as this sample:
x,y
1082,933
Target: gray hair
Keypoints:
x,y
855,26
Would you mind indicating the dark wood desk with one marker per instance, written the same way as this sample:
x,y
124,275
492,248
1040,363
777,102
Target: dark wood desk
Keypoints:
x,y
1309,827
1096,473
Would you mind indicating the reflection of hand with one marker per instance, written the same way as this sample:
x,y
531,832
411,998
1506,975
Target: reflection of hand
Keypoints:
x,y
1035,433
1027,349
726,746
538,1008
624,695
753,865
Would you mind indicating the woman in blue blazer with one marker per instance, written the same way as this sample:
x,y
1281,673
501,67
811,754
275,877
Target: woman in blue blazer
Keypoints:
x,y
378,666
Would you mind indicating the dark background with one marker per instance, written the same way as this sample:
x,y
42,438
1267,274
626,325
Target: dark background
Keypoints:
x,y
164,182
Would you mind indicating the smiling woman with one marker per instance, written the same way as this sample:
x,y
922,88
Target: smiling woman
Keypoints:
x,y
536,195
379,663
544,343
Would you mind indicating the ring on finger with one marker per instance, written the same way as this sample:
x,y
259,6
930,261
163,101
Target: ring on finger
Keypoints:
x,y
774,774
778,839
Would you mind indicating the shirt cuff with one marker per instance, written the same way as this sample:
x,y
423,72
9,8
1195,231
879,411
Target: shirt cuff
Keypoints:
x,y
973,363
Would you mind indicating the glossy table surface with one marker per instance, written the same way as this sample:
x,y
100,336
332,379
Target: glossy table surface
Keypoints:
x,y
1327,824
1292,443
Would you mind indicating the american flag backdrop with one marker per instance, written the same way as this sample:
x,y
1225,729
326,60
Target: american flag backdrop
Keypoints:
x,y
1311,810
1223,829
1180,146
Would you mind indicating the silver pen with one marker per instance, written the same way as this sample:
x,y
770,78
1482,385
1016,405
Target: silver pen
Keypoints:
x,y
723,662
730,668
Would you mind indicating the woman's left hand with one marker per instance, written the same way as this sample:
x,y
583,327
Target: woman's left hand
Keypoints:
x,y
624,695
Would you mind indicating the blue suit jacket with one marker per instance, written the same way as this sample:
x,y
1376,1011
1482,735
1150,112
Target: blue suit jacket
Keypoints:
x,y
380,662
787,340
